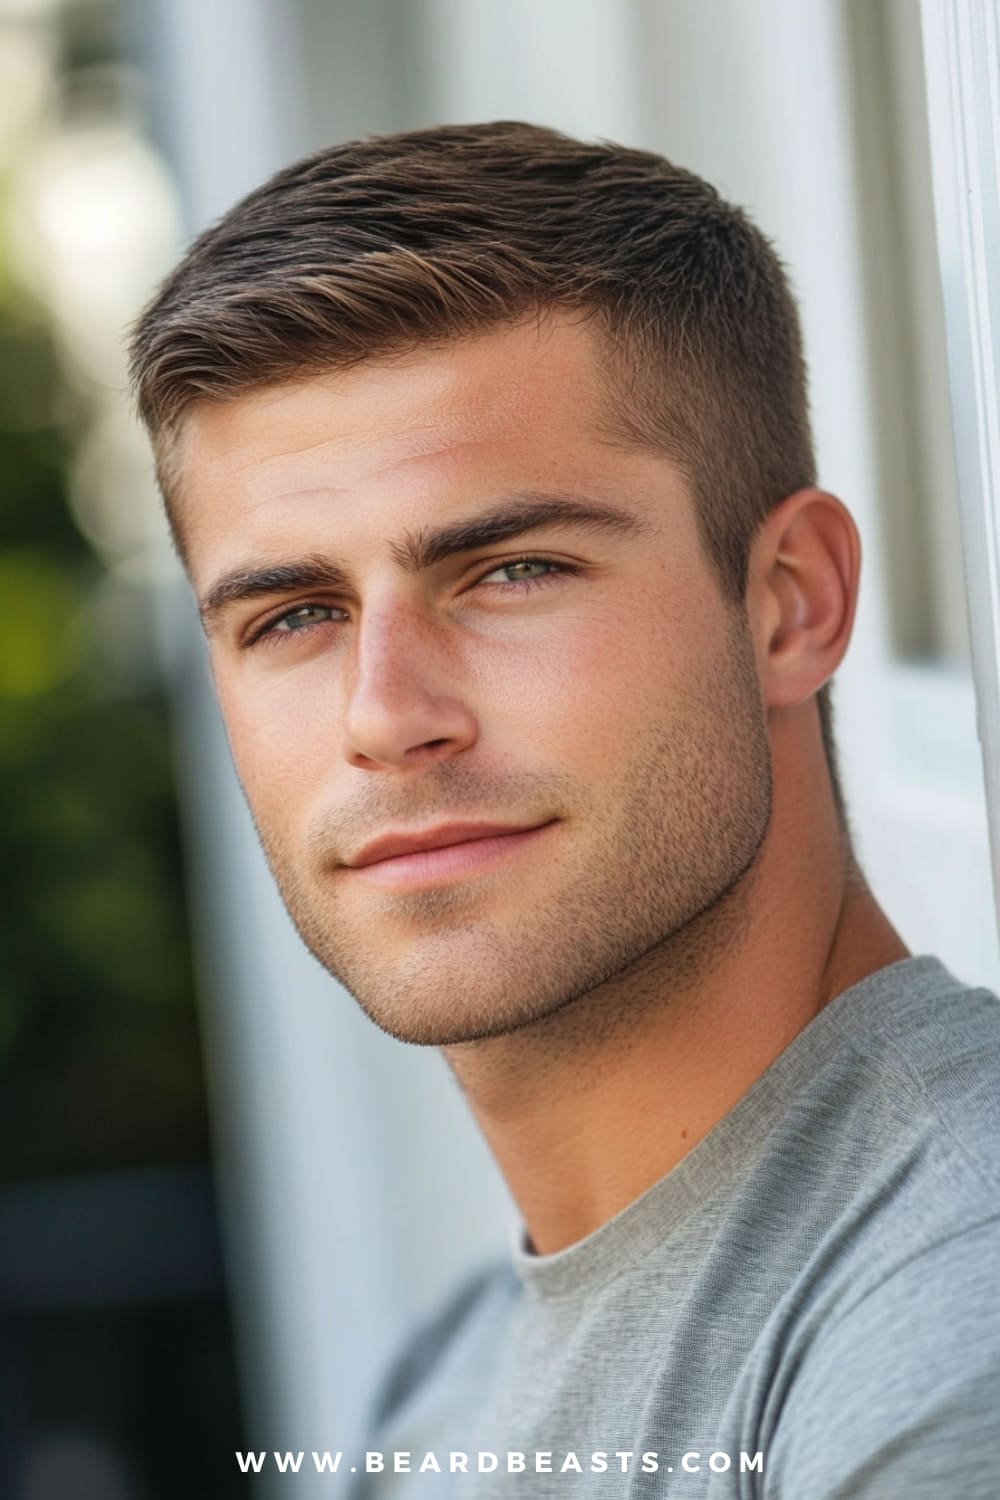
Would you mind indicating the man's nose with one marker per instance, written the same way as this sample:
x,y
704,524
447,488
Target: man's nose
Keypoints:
x,y
404,705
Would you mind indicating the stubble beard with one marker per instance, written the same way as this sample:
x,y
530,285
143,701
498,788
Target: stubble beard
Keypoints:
x,y
652,901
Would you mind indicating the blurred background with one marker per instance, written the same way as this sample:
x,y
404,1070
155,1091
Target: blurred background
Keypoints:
x,y
224,1196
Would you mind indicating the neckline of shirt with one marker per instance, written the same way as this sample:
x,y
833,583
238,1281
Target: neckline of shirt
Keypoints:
x,y
725,1153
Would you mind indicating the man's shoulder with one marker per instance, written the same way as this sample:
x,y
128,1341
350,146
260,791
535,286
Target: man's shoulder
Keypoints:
x,y
926,1059
886,1144
920,1005
478,1301
899,1395
886,1344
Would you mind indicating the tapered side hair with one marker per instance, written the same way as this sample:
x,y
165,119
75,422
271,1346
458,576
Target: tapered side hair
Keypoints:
x,y
384,245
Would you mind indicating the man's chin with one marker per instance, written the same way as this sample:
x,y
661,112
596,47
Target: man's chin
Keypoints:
x,y
453,1002
447,1008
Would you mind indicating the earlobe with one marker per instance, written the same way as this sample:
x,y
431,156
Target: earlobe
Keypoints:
x,y
805,568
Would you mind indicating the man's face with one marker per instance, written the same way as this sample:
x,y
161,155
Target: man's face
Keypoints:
x,y
568,679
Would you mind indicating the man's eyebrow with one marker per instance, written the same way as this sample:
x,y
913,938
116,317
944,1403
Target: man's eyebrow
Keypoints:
x,y
425,548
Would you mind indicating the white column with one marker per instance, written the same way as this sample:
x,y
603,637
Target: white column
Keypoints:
x,y
962,64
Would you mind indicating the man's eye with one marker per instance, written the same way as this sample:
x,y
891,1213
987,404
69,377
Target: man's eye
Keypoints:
x,y
521,573
524,570
300,619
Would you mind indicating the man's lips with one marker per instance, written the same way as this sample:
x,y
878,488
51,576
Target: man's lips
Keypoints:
x,y
391,845
437,855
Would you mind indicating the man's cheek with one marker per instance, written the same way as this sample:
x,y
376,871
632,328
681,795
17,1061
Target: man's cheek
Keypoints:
x,y
579,658
273,758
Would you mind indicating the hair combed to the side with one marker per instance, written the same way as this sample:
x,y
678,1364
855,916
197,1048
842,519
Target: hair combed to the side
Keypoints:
x,y
380,246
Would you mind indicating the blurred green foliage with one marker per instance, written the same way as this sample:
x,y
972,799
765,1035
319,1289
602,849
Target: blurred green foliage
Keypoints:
x,y
100,1060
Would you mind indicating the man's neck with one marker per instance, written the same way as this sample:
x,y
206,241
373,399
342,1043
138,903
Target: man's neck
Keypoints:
x,y
587,1108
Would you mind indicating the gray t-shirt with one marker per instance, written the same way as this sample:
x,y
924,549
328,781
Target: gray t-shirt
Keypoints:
x,y
816,1285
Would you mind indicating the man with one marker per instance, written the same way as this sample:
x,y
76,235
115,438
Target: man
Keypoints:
x,y
487,452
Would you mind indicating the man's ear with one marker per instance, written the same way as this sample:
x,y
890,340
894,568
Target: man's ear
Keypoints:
x,y
802,591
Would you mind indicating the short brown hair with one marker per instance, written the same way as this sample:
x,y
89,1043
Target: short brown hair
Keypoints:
x,y
377,246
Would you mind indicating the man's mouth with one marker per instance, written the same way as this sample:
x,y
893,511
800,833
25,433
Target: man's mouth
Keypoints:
x,y
436,855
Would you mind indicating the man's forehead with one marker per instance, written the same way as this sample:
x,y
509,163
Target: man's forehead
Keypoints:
x,y
295,454
334,429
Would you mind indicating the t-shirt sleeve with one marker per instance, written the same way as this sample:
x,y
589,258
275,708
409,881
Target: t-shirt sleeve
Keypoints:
x,y
415,1360
900,1400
